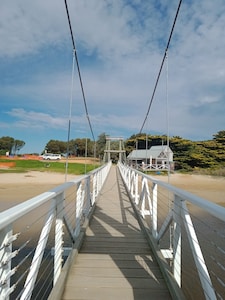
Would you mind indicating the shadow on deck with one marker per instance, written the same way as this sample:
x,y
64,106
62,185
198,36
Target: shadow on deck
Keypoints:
x,y
115,260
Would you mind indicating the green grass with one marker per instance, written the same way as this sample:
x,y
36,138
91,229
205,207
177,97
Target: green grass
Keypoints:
x,y
43,166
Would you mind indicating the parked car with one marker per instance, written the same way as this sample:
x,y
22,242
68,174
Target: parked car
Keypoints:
x,y
51,156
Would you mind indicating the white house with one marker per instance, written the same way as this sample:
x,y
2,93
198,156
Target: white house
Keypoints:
x,y
155,158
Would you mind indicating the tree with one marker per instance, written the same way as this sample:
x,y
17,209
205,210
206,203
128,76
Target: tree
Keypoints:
x,y
181,152
219,137
6,144
17,145
77,147
101,144
213,151
9,144
141,140
81,147
137,141
55,146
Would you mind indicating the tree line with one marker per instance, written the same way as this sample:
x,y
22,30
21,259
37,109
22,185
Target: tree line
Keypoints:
x,y
78,147
188,155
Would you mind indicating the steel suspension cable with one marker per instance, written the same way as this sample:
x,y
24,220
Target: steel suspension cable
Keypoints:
x,y
160,70
78,69
70,117
168,152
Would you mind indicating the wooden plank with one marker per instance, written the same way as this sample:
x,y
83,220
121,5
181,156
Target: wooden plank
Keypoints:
x,y
115,260
106,238
113,250
116,282
116,256
96,293
116,271
141,244
120,264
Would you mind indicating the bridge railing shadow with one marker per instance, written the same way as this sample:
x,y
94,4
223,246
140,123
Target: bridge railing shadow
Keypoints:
x,y
186,229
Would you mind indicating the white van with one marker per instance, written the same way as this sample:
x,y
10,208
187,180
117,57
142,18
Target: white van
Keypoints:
x,y
51,156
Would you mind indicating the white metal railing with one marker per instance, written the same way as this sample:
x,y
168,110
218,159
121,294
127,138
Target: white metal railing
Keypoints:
x,y
23,254
152,167
189,231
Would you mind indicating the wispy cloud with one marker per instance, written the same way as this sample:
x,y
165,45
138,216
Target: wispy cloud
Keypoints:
x,y
27,26
120,45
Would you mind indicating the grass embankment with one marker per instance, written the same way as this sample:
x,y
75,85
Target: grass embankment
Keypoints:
x,y
21,166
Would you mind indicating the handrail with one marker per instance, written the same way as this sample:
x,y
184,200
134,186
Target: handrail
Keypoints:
x,y
212,208
12,214
85,190
150,196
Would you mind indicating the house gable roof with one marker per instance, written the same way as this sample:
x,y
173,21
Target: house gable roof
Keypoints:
x,y
154,152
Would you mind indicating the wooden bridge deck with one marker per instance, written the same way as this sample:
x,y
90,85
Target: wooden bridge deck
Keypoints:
x,y
115,261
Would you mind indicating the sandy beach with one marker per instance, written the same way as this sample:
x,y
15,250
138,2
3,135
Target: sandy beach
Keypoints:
x,y
208,187
18,187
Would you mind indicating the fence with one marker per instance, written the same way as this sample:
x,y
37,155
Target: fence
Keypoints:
x,y
31,264
188,231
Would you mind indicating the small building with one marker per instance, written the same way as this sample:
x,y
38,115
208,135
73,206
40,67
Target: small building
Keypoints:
x,y
155,158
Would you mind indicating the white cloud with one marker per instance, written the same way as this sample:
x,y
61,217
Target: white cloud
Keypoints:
x,y
120,45
32,119
26,26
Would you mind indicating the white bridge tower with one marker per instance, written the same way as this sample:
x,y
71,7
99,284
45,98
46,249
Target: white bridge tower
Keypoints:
x,y
121,150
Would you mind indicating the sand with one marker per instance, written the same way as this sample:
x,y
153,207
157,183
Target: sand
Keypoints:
x,y
18,187
211,188
34,177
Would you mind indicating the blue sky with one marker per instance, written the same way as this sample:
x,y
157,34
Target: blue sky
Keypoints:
x,y
120,45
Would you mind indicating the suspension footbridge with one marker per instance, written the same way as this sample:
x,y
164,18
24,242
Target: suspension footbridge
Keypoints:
x,y
115,232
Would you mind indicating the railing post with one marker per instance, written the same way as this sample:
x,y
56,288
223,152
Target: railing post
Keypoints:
x,y
198,256
154,210
136,195
97,183
132,182
145,199
129,179
94,188
5,268
88,197
177,240
79,203
58,236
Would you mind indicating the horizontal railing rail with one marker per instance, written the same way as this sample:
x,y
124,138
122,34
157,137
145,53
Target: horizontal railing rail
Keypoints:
x,y
152,167
187,229
33,231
